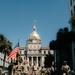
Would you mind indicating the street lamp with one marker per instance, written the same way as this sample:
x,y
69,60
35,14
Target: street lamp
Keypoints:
x,y
55,60
26,49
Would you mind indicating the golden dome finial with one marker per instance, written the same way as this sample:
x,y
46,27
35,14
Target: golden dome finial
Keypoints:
x,y
34,34
34,28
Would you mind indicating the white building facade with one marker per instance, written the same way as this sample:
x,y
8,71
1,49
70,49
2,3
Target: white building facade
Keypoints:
x,y
35,52
72,7
72,12
7,62
72,25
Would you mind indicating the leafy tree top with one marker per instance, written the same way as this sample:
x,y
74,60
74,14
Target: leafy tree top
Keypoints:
x,y
64,37
5,44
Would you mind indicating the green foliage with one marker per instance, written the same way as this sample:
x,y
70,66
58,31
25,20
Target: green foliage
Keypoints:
x,y
63,40
19,59
48,60
62,44
5,45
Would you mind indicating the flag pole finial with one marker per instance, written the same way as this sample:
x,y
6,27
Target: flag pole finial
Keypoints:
x,y
35,21
18,40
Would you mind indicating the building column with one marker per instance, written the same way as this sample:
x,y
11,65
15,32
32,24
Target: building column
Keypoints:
x,y
37,60
28,60
42,61
73,55
32,60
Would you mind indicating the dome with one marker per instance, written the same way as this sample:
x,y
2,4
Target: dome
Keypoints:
x,y
34,35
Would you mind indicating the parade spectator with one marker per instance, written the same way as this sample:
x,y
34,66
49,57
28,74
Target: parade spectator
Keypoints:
x,y
38,71
10,69
35,68
43,70
26,68
53,68
1,72
17,69
14,68
48,71
65,68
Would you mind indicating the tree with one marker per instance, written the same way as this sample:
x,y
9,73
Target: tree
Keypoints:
x,y
63,41
18,59
5,46
48,60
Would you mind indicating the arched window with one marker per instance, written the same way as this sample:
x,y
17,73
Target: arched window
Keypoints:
x,y
44,52
20,52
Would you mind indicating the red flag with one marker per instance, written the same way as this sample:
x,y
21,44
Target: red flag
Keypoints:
x,y
35,20
13,53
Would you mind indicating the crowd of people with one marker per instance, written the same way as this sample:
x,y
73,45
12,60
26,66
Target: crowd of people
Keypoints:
x,y
24,69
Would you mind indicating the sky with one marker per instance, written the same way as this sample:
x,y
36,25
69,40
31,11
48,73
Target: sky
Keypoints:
x,y
17,19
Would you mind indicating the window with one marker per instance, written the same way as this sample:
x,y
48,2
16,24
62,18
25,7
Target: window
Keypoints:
x,y
71,13
74,9
44,52
24,52
30,46
71,2
39,51
48,52
20,52
34,46
38,46
24,58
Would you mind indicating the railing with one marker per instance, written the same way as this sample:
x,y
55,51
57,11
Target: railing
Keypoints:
x,y
7,62
33,52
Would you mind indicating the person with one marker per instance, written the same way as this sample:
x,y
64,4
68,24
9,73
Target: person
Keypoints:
x,y
38,71
65,68
17,68
1,71
34,68
43,70
10,69
26,68
52,69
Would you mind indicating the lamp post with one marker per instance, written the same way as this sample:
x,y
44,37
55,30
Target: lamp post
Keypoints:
x,y
26,54
26,49
54,60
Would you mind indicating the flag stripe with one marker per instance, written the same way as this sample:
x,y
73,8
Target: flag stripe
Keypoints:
x,y
13,53
14,56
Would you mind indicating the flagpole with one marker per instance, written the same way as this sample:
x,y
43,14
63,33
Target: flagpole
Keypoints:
x,y
35,21
17,53
18,42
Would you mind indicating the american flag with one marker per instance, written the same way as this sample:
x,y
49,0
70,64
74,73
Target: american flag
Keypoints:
x,y
35,20
13,54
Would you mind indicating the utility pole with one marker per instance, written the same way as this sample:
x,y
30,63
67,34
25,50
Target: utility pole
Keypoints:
x,y
26,49
55,60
